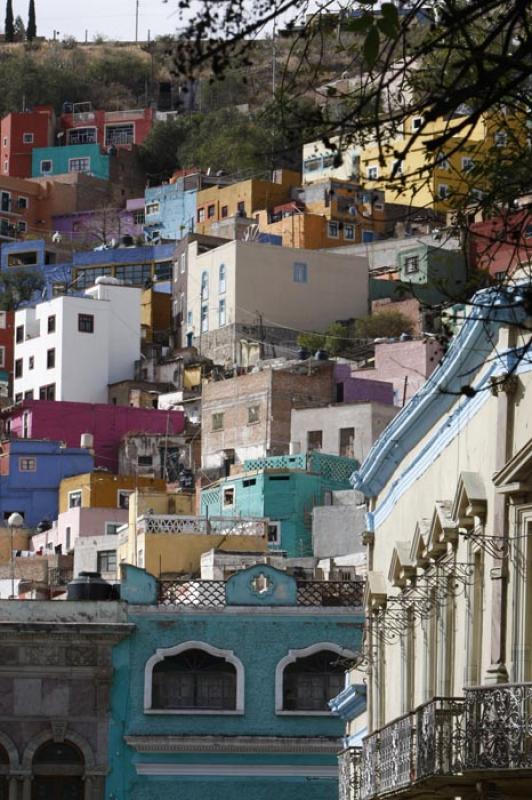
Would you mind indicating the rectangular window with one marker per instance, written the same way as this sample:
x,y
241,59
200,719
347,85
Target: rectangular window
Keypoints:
x,y
411,264
79,164
120,134
183,263
201,215
333,230
82,136
221,313
6,166
22,226
22,202
211,211
467,164
229,496
417,122
314,440
111,528
68,538
373,172
18,368
47,392
204,318
51,324
189,319
241,208
107,561
139,218
152,208
27,138
442,162
349,232
3,319
253,414
218,422
145,461
2,356
74,499
300,272
46,166
31,362
27,464
5,201
501,139
347,442
50,358
86,323
274,533
18,397
123,498
225,212
443,191
28,396
19,334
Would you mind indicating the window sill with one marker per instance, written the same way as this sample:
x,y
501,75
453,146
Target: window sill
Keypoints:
x,y
192,713
281,713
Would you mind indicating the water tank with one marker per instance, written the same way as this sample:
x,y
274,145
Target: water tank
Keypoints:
x,y
107,280
87,441
321,355
90,586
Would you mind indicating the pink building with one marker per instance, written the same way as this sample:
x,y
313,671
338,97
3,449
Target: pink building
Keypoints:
x,y
405,364
65,421
78,522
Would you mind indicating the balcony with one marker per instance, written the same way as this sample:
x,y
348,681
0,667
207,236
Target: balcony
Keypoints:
x,y
177,524
119,116
448,741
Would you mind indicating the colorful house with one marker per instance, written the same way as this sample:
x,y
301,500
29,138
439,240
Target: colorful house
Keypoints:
x,y
31,471
20,132
222,689
82,124
43,419
88,158
284,489
171,207
136,265
100,226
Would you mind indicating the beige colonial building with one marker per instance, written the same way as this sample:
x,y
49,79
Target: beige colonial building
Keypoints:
x,y
448,652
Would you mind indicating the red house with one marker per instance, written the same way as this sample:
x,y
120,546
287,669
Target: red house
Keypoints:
x,y
500,244
20,132
81,124
7,346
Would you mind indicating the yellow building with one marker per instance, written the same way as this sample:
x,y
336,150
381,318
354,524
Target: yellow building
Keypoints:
x,y
426,177
102,490
165,537
155,315
18,540
242,199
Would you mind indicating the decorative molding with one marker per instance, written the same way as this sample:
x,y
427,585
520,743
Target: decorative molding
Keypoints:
x,y
59,727
12,753
239,770
166,652
46,736
294,655
350,703
233,744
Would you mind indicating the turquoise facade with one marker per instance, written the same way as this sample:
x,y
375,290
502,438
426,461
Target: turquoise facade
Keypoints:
x,y
284,489
253,752
48,161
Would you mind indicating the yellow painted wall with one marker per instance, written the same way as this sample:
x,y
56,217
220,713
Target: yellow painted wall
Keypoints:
x,y
155,312
100,489
159,502
20,541
181,553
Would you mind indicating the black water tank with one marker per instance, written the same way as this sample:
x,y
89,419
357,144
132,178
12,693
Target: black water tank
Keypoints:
x,y
90,586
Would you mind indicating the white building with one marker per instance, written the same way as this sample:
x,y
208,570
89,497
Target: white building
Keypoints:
x,y
246,296
71,348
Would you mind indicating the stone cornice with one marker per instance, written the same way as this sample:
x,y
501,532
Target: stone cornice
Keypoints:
x,y
233,744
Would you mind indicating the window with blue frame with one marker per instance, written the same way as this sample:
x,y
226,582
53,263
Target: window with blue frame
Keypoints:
x,y
300,273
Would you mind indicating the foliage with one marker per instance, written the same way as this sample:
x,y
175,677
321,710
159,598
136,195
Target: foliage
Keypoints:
x,y
9,30
382,324
18,286
19,29
31,30
337,340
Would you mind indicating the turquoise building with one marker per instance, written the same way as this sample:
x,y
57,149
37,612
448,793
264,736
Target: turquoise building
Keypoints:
x,y
87,158
222,690
284,489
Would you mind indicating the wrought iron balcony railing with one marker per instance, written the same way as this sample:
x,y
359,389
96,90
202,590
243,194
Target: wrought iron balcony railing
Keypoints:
x,y
498,727
182,524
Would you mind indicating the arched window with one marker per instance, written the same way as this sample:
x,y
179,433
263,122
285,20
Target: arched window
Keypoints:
x,y
221,279
194,678
58,769
307,679
204,285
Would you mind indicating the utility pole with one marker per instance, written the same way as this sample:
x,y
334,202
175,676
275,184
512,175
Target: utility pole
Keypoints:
x,y
136,21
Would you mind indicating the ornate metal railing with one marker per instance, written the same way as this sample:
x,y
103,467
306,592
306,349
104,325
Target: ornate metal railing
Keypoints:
x,y
498,727
397,754
440,737
330,593
369,769
349,769
178,524
212,593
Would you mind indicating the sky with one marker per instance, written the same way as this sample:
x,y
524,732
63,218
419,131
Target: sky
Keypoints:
x,y
113,18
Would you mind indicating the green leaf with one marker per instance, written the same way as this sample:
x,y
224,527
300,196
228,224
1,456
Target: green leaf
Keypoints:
x,y
360,24
371,46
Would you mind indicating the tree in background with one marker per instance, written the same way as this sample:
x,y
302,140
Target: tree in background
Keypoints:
x,y
31,30
18,286
9,30
383,324
19,30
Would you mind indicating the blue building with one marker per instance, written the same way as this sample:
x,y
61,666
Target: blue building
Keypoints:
x,y
222,689
30,473
284,489
170,211
39,255
87,158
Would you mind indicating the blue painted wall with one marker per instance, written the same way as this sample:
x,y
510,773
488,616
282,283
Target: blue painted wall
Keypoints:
x,y
54,274
260,638
176,213
284,489
36,494
60,157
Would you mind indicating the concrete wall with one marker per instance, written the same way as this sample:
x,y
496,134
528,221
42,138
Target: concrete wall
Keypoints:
x,y
367,419
337,528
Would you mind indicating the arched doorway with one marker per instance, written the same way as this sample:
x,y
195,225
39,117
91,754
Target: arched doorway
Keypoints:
x,y
4,772
57,769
